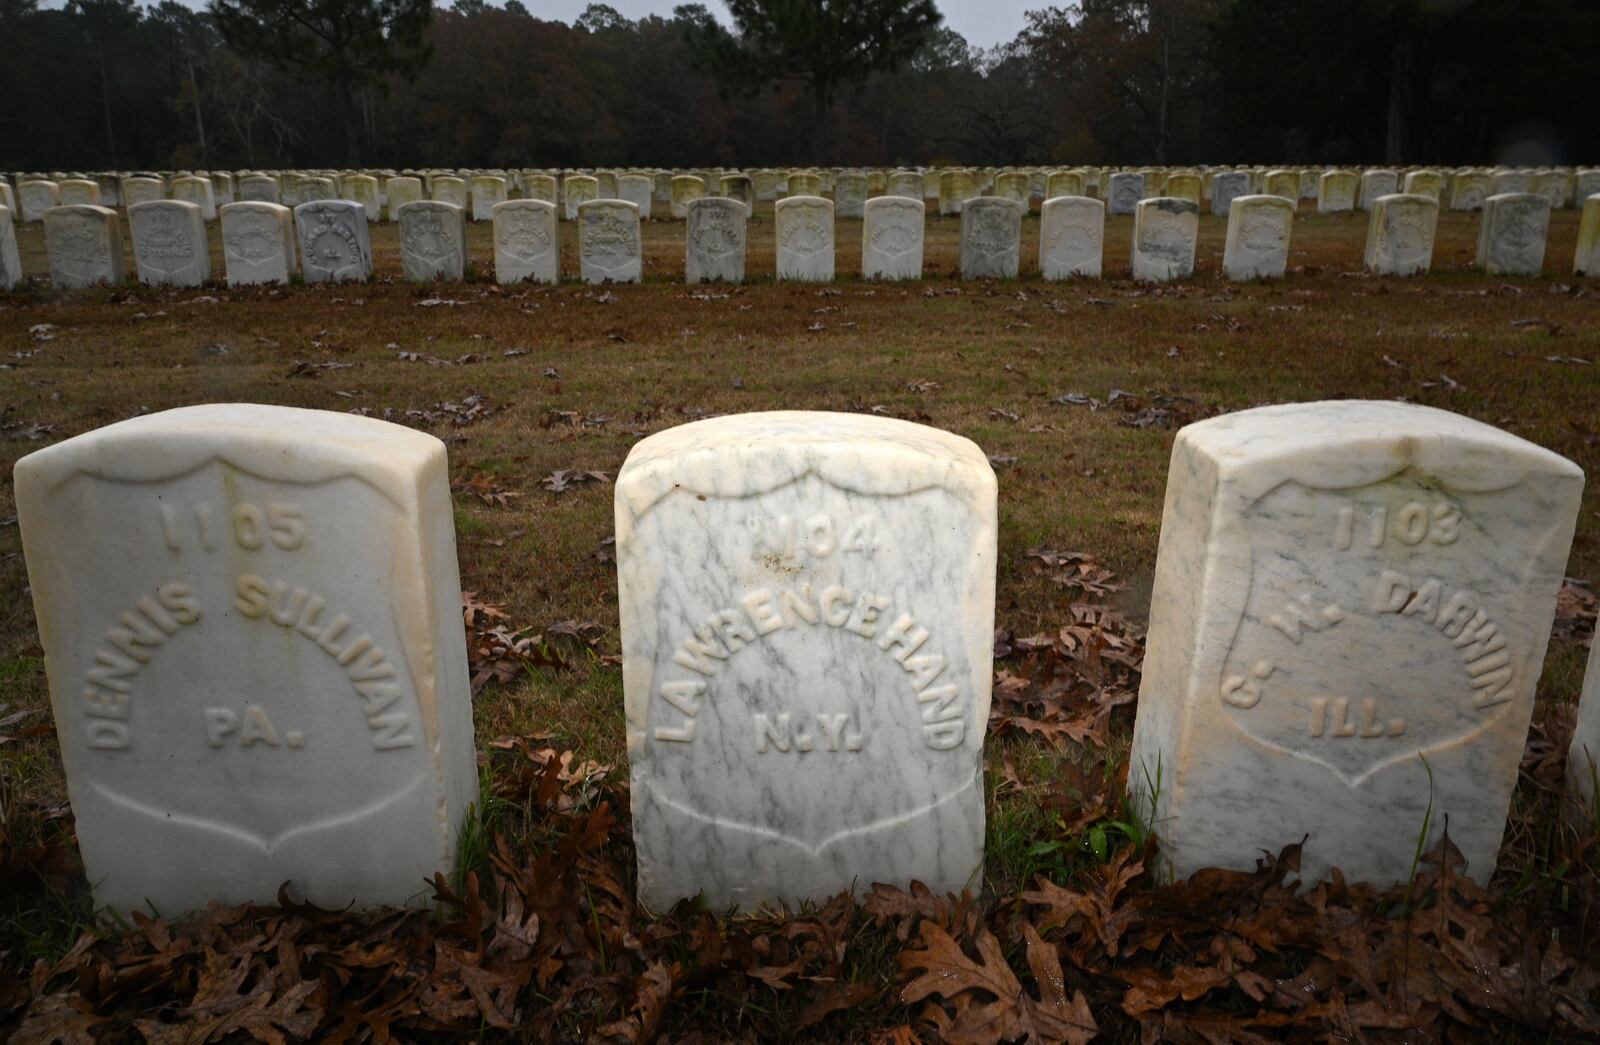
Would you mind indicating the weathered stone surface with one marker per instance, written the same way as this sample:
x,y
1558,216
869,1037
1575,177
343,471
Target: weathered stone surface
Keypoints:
x,y
36,196
169,243
1164,234
849,195
1071,237
606,185
991,238
252,631
488,191
257,243
685,187
334,243
1424,183
199,191
766,185
639,190
714,240
85,246
1063,183
1400,235
402,191
908,184
79,190
1586,183
804,233
609,249
1226,187
955,188
1511,235
1376,183
802,183
1468,190
1183,186
433,241
1257,246
1583,755
1127,189
1284,183
739,187
363,189
1012,185
527,243
1503,182
1586,258
807,609
1341,191
541,187
1554,186
1351,606
449,189
10,259
255,188
892,237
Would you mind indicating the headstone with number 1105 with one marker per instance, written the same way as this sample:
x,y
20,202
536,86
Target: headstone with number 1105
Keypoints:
x,y
252,630
807,635
1351,606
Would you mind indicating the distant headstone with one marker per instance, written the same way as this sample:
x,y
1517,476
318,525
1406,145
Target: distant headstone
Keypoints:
x,y
363,188
310,190
252,630
766,185
1063,183
433,241
1585,184
1184,186
527,243
1165,231
1378,183
84,243
1012,185
991,238
253,188
401,191
10,259
806,702
1424,183
849,195
804,184
1400,235
804,231
1511,236
488,190
198,191
334,243
606,185
907,184
1351,606
1554,186
1341,191
169,243
79,190
637,189
1586,259
1283,183
1226,187
714,240
257,243
450,189
37,196
1504,182
1071,237
608,242
223,185
685,187
1468,190
1257,246
955,188
1127,189
739,187
892,237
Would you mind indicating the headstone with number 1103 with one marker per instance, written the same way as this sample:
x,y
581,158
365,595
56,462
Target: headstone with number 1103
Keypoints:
x,y
1351,606
252,630
807,607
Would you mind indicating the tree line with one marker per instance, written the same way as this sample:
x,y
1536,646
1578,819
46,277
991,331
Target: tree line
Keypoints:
x,y
101,84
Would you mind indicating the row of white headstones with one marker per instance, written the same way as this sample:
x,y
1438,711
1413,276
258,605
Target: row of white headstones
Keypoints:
x,y
262,242
255,652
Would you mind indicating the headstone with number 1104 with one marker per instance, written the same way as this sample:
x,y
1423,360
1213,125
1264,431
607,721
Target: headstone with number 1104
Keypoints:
x,y
252,630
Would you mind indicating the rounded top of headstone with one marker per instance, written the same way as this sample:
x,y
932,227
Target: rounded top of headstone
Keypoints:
x,y
279,443
744,454
1359,441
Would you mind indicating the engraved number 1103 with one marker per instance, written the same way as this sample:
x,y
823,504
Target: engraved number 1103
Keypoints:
x,y
1414,523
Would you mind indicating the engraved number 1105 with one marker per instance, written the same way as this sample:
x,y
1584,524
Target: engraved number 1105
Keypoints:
x,y
250,525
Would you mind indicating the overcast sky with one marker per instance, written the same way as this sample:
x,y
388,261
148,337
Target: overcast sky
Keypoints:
x,y
983,22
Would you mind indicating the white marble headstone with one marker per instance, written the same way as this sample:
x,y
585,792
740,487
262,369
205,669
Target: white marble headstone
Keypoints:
x,y
907,184
714,240
1072,232
79,190
37,196
1583,756
1378,183
1226,187
142,190
892,237
527,244
609,250
1257,245
807,605
955,188
804,231
1339,192
335,246
450,189
1586,257
85,246
1512,232
1400,235
252,630
433,241
198,191
1165,231
991,237
1468,190
1127,189
10,259
850,195
257,243
1351,606
639,190
169,243
487,191
685,187
258,188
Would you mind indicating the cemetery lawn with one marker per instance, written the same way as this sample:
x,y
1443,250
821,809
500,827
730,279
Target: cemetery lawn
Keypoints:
x,y
1075,390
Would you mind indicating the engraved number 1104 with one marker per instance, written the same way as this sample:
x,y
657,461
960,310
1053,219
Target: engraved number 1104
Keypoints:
x,y
1414,523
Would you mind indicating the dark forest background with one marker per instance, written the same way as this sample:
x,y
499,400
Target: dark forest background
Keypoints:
x,y
106,84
